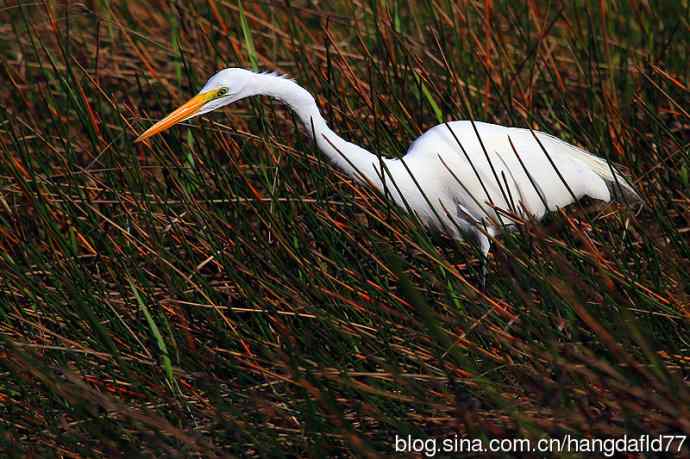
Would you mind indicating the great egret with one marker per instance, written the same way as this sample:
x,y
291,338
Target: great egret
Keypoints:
x,y
457,177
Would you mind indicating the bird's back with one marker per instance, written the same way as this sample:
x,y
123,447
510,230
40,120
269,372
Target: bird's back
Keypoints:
x,y
454,167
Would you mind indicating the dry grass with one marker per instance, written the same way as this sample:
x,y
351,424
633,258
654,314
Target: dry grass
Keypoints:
x,y
226,291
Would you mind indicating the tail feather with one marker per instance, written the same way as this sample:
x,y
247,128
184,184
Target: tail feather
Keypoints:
x,y
618,185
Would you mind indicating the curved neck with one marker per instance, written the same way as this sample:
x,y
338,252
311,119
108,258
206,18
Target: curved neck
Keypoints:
x,y
352,159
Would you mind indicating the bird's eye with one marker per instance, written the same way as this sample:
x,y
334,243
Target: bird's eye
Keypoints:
x,y
222,92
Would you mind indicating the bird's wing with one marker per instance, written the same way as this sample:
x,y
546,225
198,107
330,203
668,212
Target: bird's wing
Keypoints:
x,y
507,167
618,185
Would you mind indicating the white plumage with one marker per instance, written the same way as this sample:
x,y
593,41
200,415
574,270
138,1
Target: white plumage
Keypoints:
x,y
453,167
454,177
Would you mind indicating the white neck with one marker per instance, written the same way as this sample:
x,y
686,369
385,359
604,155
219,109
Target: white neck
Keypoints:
x,y
352,159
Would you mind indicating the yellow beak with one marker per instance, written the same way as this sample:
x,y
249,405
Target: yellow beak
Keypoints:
x,y
186,111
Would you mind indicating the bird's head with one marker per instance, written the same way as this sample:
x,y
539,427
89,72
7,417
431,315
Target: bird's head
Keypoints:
x,y
223,88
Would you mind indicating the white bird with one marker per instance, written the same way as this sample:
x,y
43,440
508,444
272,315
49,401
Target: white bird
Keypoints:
x,y
457,177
